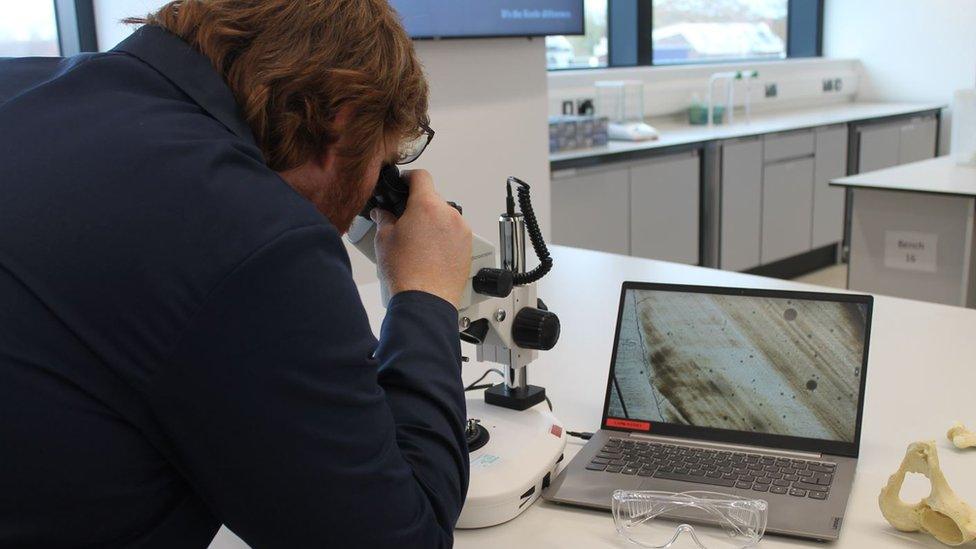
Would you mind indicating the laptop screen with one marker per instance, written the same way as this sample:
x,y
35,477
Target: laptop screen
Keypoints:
x,y
781,364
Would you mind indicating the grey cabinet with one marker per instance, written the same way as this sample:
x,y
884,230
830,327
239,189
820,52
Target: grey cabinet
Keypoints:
x,y
646,208
741,206
787,208
767,199
917,139
879,147
664,206
828,202
888,144
591,209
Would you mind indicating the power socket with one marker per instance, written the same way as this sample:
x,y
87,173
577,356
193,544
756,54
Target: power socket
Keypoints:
x,y
585,105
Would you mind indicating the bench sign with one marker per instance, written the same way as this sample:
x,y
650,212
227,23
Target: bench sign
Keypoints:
x,y
911,251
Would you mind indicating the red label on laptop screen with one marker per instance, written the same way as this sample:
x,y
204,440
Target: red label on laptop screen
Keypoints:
x,y
629,424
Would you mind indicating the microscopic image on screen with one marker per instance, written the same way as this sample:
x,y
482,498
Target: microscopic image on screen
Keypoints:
x,y
767,365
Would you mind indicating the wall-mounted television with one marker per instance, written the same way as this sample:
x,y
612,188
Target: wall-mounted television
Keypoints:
x,y
489,18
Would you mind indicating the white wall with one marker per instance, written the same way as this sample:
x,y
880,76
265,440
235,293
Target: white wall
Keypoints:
x,y
488,107
910,50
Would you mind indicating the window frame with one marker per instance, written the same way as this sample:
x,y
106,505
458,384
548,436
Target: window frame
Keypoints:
x,y
630,25
76,26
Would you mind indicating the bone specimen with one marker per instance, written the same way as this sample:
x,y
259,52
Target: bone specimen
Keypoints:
x,y
941,514
961,437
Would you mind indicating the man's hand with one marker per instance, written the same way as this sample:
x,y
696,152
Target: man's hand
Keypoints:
x,y
428,248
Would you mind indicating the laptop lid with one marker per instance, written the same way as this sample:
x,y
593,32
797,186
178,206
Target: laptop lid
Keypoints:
x,y
772,368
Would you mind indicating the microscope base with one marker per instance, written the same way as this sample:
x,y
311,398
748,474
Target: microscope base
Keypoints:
x,y
515,399
510,471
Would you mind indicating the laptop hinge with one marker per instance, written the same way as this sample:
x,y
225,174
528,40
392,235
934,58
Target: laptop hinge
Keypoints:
x,y
728,446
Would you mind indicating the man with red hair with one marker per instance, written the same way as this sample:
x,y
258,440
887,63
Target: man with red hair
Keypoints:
x,y
181,341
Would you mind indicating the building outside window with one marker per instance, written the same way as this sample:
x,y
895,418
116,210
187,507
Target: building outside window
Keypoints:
x,y
629,33
28,28
706,31
582,52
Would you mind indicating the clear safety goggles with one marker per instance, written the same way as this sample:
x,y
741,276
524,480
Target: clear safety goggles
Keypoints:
x,y
659,519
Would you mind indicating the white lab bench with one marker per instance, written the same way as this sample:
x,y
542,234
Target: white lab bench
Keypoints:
x,y
911,230
920,380
751,196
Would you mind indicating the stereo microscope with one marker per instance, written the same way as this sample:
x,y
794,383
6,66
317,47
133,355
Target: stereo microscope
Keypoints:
x,y
514,441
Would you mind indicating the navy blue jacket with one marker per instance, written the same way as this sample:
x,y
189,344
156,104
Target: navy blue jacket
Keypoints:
x,y
181,341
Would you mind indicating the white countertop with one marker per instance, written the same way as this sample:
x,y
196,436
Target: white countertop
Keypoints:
x,y
940,175
675,132
920,380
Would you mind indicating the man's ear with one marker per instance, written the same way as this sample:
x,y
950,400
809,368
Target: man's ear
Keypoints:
x,y
327,160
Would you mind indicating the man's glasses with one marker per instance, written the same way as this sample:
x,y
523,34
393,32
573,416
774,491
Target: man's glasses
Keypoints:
x,y
412,149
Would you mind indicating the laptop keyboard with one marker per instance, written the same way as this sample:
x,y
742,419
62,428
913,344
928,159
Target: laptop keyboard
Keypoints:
x,y
796,477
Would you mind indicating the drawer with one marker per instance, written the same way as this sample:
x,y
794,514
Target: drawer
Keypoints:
x,y
788,145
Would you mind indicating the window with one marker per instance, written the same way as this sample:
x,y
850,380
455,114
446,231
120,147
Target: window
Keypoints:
x,y
588,51
701,31
628,33
46,27
28,28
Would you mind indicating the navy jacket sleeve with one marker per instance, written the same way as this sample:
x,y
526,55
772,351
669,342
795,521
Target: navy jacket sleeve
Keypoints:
x,y
295,428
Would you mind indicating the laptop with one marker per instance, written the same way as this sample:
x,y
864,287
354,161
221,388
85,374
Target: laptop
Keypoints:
x,y
756,393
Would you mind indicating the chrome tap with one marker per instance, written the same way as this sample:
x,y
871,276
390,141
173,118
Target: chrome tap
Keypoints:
x,y
729,78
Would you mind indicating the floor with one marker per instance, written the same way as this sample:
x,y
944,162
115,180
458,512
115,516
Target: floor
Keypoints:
x,y
834,276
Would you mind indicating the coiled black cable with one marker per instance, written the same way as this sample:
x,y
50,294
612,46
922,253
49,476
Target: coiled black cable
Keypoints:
x,y
535,235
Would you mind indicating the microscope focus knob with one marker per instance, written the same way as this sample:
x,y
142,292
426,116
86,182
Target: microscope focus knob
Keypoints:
x,y
493,282
535,329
